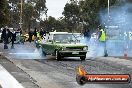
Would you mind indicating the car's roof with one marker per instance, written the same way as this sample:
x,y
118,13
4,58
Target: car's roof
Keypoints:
x,y
75,33
62,33
58,32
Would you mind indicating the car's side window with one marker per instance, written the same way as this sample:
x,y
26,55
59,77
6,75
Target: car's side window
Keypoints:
x,y
49,38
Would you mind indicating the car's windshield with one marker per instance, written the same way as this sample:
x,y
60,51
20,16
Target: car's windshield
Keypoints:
x,y
68,38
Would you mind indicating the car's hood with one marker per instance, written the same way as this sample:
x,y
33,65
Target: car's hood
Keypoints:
x,y
66,44
72,45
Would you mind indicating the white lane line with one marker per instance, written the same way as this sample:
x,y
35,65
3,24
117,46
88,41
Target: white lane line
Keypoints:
x,y
7,80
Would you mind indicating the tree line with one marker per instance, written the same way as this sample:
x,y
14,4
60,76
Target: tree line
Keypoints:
x,y
77,15
31,13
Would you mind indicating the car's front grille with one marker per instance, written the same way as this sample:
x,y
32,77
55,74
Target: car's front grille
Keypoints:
x,y
73,48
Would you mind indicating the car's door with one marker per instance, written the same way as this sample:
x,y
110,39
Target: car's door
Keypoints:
x,y
49,46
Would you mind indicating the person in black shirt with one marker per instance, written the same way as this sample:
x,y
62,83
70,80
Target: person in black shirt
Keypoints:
x,y
35,34
13,38
30,36
42,33
5,36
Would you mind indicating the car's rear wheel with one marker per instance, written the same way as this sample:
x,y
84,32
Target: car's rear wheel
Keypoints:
x,y
83,58
43,53
57,54
1,41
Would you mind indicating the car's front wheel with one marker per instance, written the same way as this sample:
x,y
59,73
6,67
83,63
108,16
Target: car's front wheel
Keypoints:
x,y
57,54
83,58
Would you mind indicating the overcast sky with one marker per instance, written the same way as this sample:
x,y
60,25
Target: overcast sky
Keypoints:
x,y
55,7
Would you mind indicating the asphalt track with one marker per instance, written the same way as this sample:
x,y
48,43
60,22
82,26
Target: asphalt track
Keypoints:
x,y
46,72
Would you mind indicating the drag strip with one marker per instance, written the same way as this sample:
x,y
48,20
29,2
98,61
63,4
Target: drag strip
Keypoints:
x,y
7,80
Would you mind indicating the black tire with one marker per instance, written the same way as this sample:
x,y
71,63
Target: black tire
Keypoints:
x,y
58,57
37,46
1,41
83,58
43,53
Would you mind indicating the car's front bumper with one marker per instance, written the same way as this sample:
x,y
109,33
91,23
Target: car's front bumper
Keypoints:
x,y
72,53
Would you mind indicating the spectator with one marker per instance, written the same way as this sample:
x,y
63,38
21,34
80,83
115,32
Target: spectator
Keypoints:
x,y
8,35
35,35
35,32
13,38
30,36
102,40
5,36
41,33
87,34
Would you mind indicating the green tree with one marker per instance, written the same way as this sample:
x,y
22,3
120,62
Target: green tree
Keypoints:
x,y
4,17
48,24
31,12
84,13
41,8
71,13
28,11
89,13
52,24
14,13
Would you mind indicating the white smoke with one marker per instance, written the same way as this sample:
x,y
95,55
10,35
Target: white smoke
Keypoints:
x,y
94,48
120,16
26,52
118,31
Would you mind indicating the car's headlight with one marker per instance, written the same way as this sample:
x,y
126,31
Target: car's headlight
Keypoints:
x,y
85,48
63,48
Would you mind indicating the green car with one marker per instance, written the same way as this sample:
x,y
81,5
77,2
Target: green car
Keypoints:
x,y
63,44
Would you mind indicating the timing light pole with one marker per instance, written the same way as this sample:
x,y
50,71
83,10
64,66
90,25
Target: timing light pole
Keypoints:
x,y
108,9
105,49
21,15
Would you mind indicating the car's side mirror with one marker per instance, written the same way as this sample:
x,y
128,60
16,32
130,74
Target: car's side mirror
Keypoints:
x,y
51,41
78,41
